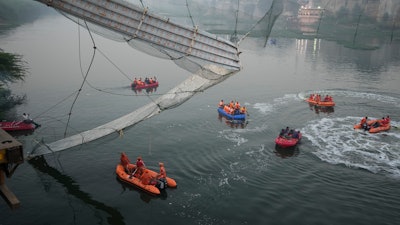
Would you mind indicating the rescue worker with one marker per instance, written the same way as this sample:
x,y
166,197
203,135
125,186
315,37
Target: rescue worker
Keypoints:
x,y
162,173
387,120
221,104
243,110
237,105
364,122
161,177
231,104
125,162
139,166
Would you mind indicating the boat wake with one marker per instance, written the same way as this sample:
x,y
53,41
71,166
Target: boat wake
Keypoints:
x,y
337,142
267,108
235,136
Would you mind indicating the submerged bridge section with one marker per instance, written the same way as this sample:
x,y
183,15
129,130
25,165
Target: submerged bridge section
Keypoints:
x,y
135,23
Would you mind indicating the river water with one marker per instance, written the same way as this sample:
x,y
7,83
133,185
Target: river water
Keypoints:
x,y
226,174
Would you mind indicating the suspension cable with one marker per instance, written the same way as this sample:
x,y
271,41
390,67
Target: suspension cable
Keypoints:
x,y
190,14
84,79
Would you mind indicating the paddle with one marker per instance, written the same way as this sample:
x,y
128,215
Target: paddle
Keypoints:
x,y
130,176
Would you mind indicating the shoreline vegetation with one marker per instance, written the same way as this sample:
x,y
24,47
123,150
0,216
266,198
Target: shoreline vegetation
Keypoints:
x,y
12,69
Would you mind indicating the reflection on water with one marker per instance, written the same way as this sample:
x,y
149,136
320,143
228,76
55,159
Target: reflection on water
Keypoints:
x,y
286,152
233,123
322,109
73,188
145,197
145,90
19,133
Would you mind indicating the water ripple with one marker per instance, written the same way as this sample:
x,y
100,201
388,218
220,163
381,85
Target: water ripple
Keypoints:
x,y
338,143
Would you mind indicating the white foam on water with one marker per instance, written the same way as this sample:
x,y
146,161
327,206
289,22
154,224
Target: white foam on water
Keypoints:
x,y
337,142
236,135
266,108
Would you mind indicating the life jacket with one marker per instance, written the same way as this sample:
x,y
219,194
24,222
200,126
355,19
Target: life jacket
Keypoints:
x,y
139,163
237,105
243,110
231,111
363,120
384,122
124,160
226,109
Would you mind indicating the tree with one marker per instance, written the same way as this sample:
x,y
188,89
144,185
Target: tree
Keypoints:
x,y
12,69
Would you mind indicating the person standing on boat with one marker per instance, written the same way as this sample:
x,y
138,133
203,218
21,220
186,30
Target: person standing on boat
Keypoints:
x,y
125,162
28,120
139,166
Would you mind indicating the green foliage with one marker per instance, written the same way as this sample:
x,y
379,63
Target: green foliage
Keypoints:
x,y
12,69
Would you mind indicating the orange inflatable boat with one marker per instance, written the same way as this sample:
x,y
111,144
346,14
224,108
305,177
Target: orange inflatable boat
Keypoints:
x,y
152,184
321,103
373,129
143,178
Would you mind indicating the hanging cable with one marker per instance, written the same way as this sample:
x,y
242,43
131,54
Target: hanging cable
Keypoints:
x,y
84,79
190,14
56,104
358,22
234,37
142,3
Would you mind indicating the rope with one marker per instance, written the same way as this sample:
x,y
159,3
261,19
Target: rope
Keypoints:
x,y
84,79
195,31
190,14
141,22
56,104
234,35
274,11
